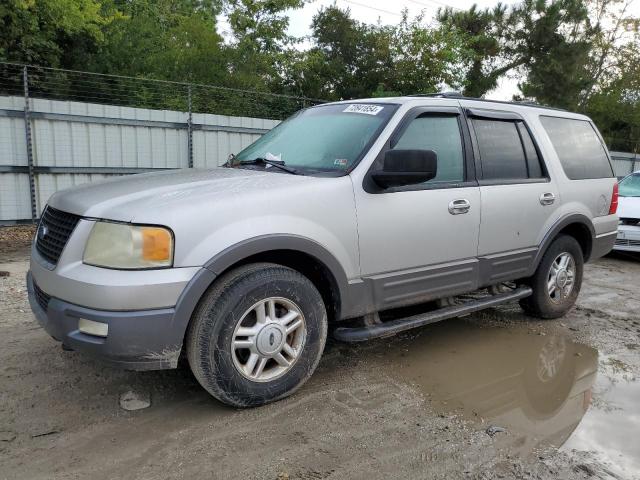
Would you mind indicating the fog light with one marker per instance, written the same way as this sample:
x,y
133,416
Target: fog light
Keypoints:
x,y
93,328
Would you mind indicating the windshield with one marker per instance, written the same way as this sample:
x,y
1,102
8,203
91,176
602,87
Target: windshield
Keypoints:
x,y
326,137
630,186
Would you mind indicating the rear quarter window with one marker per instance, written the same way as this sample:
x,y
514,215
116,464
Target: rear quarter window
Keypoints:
x,y
579,148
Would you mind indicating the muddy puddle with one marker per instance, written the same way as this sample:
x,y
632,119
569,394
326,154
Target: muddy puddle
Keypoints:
x,y
544,390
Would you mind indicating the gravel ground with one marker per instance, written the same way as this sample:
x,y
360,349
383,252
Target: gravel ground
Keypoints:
x,y
491,395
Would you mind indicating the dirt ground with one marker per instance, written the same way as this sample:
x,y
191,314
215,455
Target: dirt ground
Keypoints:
x,y
491,395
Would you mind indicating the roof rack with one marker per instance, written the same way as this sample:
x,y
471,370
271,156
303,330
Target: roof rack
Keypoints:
x,y
439,95
458,95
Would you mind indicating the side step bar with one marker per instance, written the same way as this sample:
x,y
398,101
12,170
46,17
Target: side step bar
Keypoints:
x,y
361,334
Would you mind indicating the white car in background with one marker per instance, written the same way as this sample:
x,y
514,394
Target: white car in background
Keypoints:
x,y
629,212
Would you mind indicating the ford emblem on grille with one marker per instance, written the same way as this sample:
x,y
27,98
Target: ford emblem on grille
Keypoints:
x,y
42,232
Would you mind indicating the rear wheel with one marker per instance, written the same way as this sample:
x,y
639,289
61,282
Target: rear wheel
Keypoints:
x,y
557,281
257,335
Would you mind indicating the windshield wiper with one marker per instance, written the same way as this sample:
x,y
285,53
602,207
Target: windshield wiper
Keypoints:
x,y
273,163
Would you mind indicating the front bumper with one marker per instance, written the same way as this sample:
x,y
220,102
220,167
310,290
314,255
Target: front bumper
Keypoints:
x,y
137,340
628,239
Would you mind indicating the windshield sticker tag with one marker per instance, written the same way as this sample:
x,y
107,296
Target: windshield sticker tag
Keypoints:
x,y
273,158
363,108
340,162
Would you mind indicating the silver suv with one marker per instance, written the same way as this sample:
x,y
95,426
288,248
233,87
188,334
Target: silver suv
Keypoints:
x,y
340,216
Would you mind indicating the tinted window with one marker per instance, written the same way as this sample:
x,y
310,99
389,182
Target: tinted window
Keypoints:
x,y
579,149
533,161
442,135
501,151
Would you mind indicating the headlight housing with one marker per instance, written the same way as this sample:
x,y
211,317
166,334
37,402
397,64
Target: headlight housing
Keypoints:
x,y
129,247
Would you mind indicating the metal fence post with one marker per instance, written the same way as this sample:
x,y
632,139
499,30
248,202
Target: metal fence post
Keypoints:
x,y
27,131
189,130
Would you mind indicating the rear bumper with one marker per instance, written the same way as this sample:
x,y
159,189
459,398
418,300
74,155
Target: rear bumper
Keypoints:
x,y
602,244
137,340
628,239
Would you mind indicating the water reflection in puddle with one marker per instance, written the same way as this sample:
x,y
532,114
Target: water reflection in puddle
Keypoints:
x,y
611,428
538,387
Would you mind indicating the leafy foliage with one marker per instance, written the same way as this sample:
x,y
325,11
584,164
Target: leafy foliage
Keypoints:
x,y
49,32
581,55
486,37
350,59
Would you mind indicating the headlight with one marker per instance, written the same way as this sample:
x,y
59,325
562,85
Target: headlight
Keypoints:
x,y
128,247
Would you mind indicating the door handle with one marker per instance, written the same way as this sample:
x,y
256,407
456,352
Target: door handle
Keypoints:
x,y
547,198
459,206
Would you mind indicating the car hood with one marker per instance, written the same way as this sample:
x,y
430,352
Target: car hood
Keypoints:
x,y
629,207
134,197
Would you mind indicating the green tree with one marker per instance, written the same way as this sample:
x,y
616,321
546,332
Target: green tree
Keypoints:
x,y
617,32
616,107
350,59
260,43
167,39
488,49
556,38
51,32
424,59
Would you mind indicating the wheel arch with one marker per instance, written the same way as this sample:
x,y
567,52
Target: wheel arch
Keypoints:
x,y
299,253
577,226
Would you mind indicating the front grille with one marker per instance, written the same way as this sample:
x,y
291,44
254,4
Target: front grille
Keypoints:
x,y
54,231
629,221
41,297
624,242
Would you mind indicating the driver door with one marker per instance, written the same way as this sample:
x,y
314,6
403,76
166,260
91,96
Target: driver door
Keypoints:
x,y
420,242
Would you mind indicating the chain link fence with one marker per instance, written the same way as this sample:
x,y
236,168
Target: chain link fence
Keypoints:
x,y
59,128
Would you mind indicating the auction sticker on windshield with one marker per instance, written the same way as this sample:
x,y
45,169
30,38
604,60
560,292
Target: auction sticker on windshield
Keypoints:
x,y
363,108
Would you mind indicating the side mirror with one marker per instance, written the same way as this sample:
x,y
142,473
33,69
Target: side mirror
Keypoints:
x,y
406,167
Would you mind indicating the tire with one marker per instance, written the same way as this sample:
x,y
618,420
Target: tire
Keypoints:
x,y
260,307
544,304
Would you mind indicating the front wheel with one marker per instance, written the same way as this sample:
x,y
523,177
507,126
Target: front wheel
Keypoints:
x,y
557,281
257,335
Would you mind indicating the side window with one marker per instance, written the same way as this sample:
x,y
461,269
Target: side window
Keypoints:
x,y
440,133
506,150
579,149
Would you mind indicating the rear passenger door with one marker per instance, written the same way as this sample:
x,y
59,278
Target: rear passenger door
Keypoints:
x,y
517,194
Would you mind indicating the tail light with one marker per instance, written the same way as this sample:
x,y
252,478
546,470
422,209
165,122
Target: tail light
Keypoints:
x,y
614,200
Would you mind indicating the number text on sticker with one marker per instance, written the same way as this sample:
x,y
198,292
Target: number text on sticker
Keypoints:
x,y
363,108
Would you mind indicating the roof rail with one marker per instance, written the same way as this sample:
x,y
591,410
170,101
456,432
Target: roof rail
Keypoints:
x,y
458,95
440,95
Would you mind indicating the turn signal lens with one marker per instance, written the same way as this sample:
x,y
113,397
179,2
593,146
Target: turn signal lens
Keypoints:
x,y
156,244
613,208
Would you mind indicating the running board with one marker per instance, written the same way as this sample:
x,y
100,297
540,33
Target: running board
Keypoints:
x,y
361,334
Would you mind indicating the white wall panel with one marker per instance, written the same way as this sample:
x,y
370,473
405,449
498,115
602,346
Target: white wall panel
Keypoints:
x,y
13,149
74,142
14,196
